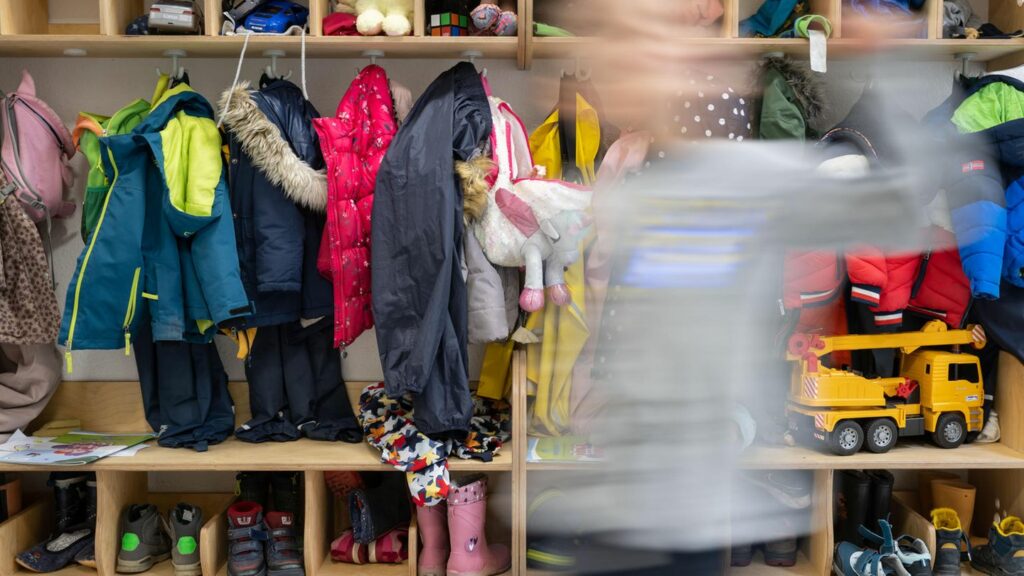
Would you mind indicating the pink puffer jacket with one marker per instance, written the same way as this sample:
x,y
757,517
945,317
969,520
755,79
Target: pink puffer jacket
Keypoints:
x,y
353,144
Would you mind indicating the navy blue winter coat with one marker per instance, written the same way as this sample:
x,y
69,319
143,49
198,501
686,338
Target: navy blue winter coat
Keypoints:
x,y
419,295
278,194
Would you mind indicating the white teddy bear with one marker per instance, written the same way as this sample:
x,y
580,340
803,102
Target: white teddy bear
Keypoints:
x,y
393,17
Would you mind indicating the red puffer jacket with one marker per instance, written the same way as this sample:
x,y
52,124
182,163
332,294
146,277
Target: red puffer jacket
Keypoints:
x,y
932,284
941,290
353,143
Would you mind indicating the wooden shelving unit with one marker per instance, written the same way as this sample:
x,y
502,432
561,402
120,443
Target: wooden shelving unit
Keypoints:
x,y
25,31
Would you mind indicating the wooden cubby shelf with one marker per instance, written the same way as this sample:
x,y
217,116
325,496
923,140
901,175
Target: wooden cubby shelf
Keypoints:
x,y
908,454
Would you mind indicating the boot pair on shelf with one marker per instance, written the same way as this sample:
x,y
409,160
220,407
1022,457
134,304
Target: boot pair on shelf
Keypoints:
x,y
453,534
861,498
74,535
265,543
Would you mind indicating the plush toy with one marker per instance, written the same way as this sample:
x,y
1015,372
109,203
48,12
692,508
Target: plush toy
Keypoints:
x,y
491,19
521,220
393,17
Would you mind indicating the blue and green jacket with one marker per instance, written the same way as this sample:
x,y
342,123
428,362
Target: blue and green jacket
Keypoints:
x,y
164,235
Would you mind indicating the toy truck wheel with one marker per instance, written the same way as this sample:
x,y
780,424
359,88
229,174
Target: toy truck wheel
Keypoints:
x,y
846,438
881,435
950,430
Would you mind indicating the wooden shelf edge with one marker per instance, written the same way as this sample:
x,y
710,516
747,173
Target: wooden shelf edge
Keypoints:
x,y
45,45
232,454
917,456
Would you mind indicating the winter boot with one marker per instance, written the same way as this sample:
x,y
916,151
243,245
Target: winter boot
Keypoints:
x,y
880,499
432,522
286,492
144,539
852,493
283,555
252,487
70,498
948,536
185,522
467,514
741,555
1004,553
87,557
73,533
246,534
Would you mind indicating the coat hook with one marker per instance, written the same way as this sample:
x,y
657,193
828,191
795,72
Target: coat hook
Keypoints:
x,y
964,58
471,56
373,55
271,70
174,54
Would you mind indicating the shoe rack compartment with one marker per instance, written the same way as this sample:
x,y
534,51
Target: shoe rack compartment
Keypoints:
x,y
116,490
26,528
325,519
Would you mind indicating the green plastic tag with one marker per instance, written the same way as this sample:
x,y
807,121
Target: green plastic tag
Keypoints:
x,y
129,542
187,545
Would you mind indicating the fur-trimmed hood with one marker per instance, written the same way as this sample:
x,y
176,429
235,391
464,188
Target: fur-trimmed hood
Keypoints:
x,y
261,140
806,87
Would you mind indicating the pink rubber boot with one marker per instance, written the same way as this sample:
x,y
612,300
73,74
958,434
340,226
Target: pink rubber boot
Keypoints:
x,y
432,523
467,514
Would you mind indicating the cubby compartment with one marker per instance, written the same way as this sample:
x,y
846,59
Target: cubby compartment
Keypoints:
x,y
746,8
118,490
52,16
215,20
980,494
29,523
923,23
327,517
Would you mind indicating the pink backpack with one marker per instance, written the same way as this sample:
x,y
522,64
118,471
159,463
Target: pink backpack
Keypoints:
x,y
35,151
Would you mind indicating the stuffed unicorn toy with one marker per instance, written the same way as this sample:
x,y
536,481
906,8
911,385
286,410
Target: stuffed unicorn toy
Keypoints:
x,y
521,220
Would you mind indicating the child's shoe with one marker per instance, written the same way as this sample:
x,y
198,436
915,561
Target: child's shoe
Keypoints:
x,y
1004,553
144,539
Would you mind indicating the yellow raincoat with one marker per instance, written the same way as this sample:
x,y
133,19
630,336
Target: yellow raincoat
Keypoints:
x,y
562,329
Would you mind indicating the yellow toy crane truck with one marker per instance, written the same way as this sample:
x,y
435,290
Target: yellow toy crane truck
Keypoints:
x,y
938,390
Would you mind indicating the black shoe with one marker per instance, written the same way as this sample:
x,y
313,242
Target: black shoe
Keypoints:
x,y
87,556
1004,553
252,487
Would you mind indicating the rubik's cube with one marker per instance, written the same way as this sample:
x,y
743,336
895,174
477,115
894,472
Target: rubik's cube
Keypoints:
x,y
449,24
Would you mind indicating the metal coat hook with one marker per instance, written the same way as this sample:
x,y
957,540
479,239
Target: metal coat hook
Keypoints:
x,y
372,55
964,58
579,72
177,72
773,54
472,55
271,69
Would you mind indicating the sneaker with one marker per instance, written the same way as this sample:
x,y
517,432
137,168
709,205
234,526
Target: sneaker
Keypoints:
x,y
185,522
246,535
948,536
283,556
1004,553
144,539
780,552
852,560
87,557
252,487
912,552
790,487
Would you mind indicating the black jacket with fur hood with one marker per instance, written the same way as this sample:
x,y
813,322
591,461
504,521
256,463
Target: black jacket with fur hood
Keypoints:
x,y
278,197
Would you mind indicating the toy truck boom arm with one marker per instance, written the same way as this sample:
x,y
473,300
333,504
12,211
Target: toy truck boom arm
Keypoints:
x,y
933,333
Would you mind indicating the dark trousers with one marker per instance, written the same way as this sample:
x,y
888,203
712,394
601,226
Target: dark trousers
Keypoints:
x,y
184,390
295,386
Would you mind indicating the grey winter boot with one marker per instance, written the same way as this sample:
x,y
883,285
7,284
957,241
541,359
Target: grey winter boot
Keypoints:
x,y
185,522
144,539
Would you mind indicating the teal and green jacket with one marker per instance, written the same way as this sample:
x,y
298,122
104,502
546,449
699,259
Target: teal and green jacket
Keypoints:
x,y
164,234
